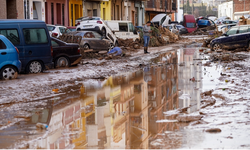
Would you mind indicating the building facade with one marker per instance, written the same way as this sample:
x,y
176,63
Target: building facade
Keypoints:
x,y
225,9
154,7
75,11
241,7
57,12
11,9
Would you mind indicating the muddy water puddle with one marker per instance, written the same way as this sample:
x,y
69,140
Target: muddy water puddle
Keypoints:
x,y
143,109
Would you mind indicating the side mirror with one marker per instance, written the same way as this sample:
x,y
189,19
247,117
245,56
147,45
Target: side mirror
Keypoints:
x,y
224,34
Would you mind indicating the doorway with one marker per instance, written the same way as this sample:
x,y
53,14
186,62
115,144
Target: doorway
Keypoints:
x,y
58,13
133,17
11,9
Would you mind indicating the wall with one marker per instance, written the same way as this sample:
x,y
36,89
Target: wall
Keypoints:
x,y
40,8
11,9
3,14
89,7
241,8
75,12
106,10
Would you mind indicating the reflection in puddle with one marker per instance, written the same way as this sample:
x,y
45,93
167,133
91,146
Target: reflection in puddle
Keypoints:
x,y
125,111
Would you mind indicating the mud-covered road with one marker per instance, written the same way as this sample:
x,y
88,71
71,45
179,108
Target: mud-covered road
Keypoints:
x,y
179,96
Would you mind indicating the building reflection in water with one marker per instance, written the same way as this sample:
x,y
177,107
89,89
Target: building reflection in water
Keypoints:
x,y
119,112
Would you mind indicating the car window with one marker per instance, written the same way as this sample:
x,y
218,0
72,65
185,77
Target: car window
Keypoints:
x,y
2,45
89,35
191,25
131,27
243,29
85,19
12,35
163,19
97,35
35,36
64,30
51,28
232,31
54,44
123,27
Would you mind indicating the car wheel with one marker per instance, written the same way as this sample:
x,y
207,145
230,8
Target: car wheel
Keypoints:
x,y
103,32
216,47
62,62
35,67
111,46
8,73
86,47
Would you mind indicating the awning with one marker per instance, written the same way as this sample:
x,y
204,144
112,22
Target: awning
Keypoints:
x,y
241,12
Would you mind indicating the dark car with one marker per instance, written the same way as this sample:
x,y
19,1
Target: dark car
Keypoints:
x,y
65,54
236,37
88,40
182,29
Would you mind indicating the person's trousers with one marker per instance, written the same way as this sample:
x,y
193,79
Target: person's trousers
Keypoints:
x,y
146,40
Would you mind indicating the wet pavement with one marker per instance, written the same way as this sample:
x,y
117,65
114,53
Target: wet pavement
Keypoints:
x,y
166,104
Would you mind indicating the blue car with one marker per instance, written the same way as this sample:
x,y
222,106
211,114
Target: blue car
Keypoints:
x,y
236,37
205,23
10,65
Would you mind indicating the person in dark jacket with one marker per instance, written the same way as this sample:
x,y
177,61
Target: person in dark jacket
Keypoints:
x,y
146,36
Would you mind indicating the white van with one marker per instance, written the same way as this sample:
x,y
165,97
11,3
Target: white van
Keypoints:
x,y
161,20
123,29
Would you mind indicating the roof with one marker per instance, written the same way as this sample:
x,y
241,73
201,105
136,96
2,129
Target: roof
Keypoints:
x,y
20,21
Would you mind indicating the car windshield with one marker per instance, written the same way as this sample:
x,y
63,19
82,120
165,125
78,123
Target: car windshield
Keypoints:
x,y
51,28
88,18
191,25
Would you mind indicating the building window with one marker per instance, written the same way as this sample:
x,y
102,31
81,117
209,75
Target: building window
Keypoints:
x,y
52,13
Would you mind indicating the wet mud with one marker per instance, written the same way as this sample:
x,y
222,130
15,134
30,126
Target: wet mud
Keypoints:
x,y
182,99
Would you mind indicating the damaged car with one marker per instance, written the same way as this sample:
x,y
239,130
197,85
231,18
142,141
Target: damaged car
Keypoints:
x,y
88,40
235,37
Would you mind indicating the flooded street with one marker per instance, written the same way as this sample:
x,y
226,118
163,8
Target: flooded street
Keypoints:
x,y
181,99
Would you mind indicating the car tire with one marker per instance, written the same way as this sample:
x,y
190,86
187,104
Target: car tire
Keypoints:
x,y
216,47
8,73
111,46
104,33
86,47
62,62
35,67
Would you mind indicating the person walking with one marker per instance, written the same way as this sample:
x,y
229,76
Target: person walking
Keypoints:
x,y
146,36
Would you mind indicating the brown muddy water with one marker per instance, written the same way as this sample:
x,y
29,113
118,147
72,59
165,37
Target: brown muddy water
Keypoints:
x,y
139,110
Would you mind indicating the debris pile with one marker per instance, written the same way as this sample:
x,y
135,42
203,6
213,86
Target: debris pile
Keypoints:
x,y
128,44
227,57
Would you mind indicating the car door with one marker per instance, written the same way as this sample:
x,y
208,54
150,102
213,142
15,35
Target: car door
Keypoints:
x,y
4,54
230,40
89,37
242,39
102,43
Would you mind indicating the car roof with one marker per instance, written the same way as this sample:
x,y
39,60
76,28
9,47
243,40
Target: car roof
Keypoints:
x,y
20,21
50,25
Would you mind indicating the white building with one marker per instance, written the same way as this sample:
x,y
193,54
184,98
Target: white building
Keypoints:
x,y
35,9
226,9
